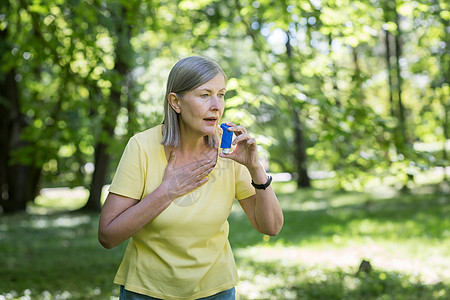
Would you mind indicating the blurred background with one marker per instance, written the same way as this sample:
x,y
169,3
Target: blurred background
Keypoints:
x,y
349,102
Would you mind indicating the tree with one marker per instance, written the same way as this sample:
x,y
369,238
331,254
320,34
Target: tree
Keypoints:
x,y
120,28
350,87
13,178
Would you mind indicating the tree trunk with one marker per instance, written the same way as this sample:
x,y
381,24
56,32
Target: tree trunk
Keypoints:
x,y
102,157
300,146
389,71
334,77
13,199
401,109
98,178
7,91
300,152
358,94
19,182
445,126
401,131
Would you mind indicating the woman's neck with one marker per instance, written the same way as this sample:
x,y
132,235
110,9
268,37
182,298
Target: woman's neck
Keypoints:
x,y
192,146
192,142
188,152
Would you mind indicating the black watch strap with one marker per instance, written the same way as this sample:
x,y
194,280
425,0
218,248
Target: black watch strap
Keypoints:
x,y
262,186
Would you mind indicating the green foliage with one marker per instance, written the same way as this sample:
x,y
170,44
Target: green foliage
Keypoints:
x,y
337,66
321,60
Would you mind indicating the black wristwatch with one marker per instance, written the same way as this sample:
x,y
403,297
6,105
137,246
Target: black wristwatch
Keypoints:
x,y
262,186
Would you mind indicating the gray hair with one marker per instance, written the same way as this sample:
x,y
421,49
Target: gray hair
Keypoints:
x,y
186,75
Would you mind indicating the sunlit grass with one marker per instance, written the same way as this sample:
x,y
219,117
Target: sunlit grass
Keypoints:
x,y
52,254
405,236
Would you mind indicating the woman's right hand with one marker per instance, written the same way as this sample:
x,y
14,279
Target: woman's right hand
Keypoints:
x,y
178,181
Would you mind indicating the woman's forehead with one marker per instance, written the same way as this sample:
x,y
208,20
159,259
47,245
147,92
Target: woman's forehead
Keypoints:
x,y
218,82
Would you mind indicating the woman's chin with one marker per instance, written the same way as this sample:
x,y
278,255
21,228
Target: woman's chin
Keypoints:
x,y
210,132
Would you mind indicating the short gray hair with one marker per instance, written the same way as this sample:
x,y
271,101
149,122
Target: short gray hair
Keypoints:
x,y
186,75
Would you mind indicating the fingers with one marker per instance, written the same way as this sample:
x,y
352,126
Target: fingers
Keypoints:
x,y
200,183
194,172
244,138
192,175
200,166
192,167
201,172
237,129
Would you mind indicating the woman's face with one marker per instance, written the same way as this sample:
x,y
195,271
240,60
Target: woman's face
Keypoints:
x,y
200,110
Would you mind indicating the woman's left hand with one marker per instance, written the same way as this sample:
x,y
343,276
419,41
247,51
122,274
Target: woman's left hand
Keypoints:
x,y
246,152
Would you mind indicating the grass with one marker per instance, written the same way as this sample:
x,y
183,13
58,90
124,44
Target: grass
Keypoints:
x,y
52,253
327,235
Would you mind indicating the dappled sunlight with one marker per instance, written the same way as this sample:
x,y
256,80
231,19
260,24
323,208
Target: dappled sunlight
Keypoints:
x,y
52,200
297,273
275,281
47,295
63,221
430,269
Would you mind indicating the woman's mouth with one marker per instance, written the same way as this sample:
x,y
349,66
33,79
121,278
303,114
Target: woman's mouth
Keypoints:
x,y
210,121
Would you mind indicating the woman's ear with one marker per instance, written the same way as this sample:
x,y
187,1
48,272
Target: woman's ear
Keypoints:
x,y
174,101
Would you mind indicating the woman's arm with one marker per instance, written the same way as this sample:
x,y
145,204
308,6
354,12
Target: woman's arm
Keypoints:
x,y
262,209
122,217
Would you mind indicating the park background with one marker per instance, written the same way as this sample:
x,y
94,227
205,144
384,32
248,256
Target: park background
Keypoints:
x,y
348,100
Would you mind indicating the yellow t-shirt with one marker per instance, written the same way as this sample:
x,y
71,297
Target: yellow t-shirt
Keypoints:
x,y
184,253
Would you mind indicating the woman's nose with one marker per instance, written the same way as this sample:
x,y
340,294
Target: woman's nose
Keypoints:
x,y
215,103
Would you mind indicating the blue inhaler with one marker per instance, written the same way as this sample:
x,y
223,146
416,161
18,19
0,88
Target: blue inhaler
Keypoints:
x,y
227,136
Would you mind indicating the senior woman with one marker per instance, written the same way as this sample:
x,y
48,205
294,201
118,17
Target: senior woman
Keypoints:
x,y
173,191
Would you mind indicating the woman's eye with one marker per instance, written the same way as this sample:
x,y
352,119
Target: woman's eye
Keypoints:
x,y
204,95
222,95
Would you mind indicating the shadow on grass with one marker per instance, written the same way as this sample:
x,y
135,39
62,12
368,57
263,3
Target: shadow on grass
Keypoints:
x,y
289,282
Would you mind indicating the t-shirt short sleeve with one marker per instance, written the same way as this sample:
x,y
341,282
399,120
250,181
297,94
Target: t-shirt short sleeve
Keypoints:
x,y
244,188
129,179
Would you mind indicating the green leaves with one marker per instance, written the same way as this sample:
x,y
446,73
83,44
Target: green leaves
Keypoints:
x,y
323,61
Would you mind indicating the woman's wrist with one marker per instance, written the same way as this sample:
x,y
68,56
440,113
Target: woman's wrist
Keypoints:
x,y
165,193
258,174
